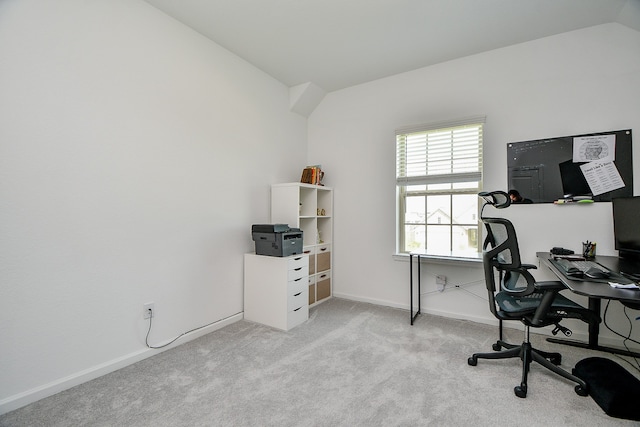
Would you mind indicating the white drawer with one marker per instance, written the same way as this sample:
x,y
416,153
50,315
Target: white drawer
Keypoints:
x,y
298,316
323,276
298,295
297,261
323,285
295,286
299,272
311,252
323,248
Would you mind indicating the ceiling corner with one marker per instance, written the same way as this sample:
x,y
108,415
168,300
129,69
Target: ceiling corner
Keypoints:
x,y
630,14
304,98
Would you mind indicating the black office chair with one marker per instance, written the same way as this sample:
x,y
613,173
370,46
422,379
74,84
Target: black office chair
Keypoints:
x,y
519,297
498,201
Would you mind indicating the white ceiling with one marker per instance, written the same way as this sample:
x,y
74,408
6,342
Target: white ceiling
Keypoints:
x,y
340,43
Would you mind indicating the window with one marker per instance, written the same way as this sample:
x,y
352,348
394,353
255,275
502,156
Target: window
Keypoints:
x,y
438,177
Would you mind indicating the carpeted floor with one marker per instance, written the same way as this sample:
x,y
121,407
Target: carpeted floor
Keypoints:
x,y
351,364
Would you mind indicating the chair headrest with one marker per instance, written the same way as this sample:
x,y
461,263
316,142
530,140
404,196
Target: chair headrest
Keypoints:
x,y
497,199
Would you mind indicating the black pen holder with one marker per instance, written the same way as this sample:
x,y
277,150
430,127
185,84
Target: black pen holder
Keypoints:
x,y
589,250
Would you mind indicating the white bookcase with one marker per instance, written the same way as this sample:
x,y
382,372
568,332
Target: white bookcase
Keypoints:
x,y
310,208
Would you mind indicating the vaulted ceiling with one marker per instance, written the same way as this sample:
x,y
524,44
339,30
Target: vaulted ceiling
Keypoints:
x,y
340,43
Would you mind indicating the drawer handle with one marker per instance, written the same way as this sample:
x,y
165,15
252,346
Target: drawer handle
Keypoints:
x,y
297,309
323,276
298,279
306,252
297,269
323,249
297,259
295,295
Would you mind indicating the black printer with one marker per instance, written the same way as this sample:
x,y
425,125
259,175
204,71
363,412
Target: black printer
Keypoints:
x,y
277,239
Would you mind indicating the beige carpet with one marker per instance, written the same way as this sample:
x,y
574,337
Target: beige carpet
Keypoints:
x,y
351,364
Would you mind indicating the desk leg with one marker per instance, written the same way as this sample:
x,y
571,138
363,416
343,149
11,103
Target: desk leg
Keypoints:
x,y
594,328
413,316
411,288
594,331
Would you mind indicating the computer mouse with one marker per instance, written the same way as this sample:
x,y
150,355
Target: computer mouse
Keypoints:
x,y
595,273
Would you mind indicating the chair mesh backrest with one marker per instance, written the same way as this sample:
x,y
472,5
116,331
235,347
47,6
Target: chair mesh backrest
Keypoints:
x,y
502,242
500,253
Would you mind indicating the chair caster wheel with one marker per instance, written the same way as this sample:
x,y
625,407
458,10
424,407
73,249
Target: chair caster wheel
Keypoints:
x,y
472,361
521,391
581,391
496,347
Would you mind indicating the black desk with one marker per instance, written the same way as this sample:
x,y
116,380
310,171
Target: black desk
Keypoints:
x,y
596,291
453,257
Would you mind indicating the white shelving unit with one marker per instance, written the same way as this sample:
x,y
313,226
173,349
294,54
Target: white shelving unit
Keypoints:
x,y
309,208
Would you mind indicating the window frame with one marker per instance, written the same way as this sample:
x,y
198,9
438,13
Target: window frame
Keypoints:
x,y
407,178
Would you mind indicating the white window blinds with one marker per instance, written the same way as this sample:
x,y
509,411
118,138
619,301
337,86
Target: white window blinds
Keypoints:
x,y
440,153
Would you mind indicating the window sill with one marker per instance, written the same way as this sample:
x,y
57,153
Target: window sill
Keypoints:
x,y
470,260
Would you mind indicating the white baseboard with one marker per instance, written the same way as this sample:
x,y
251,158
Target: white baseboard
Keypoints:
x,y
21,399
371,301
577,336
435,312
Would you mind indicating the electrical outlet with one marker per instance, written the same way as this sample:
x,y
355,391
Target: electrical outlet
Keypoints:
x,y
148,310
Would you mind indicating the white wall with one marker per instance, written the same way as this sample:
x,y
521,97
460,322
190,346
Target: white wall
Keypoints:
x,y
135,154
579,82
134,157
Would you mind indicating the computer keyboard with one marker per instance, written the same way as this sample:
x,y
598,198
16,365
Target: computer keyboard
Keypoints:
x,y
575,268
586,265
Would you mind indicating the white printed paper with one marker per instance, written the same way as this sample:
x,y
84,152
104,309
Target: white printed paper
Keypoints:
x,y
624,285
602,177
601,148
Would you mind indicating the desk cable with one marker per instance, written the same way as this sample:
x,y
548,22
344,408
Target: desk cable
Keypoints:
x,y
460,287
146,339
625,338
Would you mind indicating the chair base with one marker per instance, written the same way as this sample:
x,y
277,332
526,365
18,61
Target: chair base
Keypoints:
x,y
528,354
553,357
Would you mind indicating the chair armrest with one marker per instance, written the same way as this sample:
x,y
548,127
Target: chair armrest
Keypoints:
x,y
529,266
543,308
512,286
549,291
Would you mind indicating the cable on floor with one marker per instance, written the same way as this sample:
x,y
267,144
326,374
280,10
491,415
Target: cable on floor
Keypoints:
x,y
146,339
460,287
